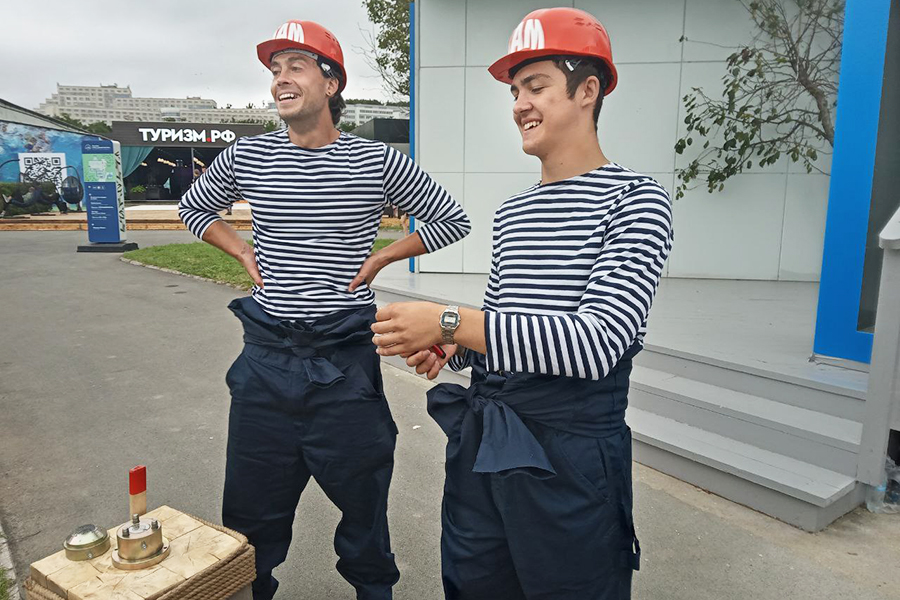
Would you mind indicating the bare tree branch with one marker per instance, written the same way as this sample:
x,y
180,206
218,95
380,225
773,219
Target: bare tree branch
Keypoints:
x,y
387,47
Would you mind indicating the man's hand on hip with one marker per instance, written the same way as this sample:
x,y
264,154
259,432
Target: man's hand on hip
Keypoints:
x,y
247,257
369,269
223,236
408,247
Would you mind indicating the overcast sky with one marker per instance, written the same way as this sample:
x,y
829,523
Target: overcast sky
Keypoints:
x,y
163,48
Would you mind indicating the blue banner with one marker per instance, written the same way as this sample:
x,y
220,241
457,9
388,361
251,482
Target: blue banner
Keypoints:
x,y
102,212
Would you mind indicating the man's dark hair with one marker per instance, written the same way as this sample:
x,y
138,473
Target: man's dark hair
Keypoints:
x,y
577,69
336,105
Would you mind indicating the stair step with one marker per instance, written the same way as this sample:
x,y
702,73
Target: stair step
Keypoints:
x,y
823,389
793,420
801,480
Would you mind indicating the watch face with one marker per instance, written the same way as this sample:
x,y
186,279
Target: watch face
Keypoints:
x,y
449,320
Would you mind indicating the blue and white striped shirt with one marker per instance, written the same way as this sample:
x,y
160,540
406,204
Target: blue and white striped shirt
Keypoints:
x,y
574,269
316,212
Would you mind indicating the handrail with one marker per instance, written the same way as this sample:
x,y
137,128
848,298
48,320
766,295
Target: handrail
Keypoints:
x,y
889,238
882,410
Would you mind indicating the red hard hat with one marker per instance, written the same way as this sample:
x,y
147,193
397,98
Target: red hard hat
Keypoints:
x,y
304,35
556,32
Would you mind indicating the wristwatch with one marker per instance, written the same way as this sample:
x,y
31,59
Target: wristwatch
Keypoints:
x,y
449,322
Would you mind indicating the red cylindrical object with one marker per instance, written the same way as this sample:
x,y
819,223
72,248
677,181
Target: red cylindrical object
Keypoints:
x,y
137,480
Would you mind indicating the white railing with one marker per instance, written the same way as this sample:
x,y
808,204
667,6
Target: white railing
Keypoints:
x,y
883,397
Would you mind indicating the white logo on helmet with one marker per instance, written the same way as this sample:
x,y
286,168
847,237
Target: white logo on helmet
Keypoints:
x,y
529,35
289,31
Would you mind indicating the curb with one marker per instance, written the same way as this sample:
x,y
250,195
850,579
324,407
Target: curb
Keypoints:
x,y
6,564
174,272
134,225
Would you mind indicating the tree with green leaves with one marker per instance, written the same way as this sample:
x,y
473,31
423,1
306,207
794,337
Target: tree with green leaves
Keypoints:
x,y
371,102
779,95
269,124
97,128
388,51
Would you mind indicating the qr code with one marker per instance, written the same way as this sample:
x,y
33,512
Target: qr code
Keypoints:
x,y
43,167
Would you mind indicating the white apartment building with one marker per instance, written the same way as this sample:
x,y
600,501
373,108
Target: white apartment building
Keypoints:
x,y
109,103
357,114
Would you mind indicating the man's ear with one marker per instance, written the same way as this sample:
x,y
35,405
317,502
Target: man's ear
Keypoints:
x,y
590,90
331,86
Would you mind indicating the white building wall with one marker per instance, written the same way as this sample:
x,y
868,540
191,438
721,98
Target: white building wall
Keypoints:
x,y
767,224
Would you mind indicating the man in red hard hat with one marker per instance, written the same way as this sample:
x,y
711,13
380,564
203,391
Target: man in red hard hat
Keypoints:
x,y
538,495
307,394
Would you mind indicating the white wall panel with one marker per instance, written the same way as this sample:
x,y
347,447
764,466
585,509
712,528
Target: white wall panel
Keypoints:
x,y
493,141
735,234
485,193
638,119
489,23
645,31
804,227
713,29
441,114
442,33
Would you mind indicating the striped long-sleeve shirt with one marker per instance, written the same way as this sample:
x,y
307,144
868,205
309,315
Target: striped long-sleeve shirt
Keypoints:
x,y
316,212
574,269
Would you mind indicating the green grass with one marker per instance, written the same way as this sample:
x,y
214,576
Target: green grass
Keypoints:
x,y
4,585
202,260
381,243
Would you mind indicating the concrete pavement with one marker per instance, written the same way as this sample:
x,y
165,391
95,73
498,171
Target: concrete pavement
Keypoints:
x,y
106,365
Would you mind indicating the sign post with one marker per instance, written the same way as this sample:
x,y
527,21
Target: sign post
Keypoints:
x,y
104,190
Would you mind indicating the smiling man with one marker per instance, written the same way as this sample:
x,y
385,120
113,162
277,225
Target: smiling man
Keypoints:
x,y
307,394
538,495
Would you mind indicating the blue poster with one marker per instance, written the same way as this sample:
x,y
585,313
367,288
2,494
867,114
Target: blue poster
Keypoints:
x,y
101,179
102,212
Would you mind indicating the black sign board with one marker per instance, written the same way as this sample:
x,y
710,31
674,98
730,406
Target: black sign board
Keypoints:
x,y
181,135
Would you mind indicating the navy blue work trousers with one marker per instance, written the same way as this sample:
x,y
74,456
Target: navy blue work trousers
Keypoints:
x,y
538,490
308,401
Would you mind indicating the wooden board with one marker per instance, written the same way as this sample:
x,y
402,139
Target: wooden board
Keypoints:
x,y
195,546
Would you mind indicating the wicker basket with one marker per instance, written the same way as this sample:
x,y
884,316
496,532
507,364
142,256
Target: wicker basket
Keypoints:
x,y
216,582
